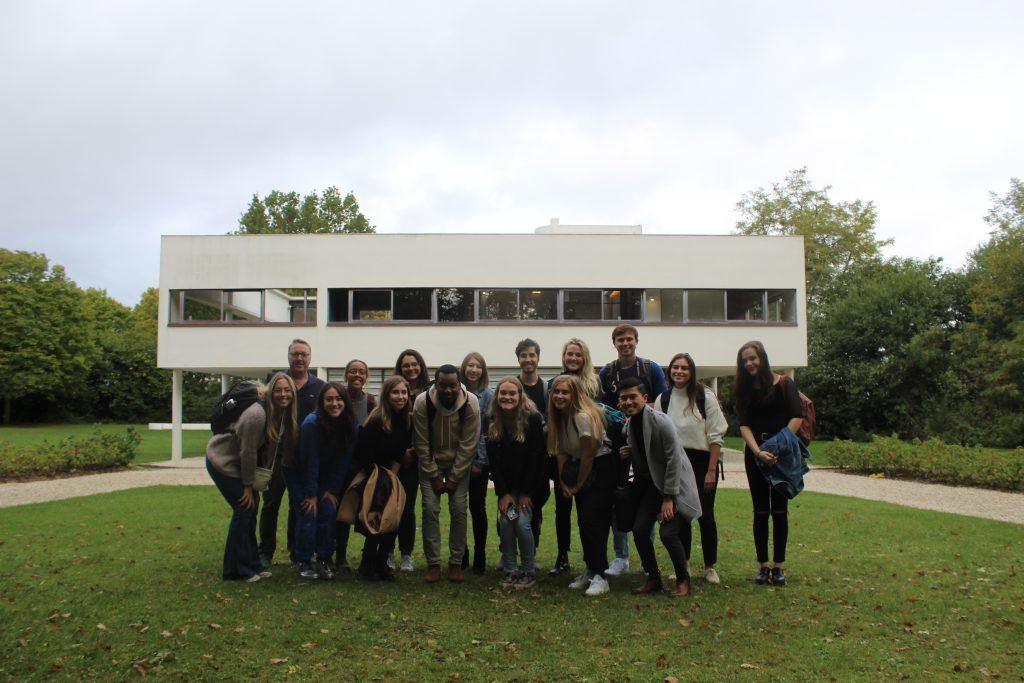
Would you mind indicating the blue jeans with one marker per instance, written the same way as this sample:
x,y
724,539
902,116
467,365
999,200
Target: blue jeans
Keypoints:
x,y
511,530
240,557
314,531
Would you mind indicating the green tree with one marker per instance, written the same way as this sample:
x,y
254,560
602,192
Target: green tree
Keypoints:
x,y
838,237
45,345
290,213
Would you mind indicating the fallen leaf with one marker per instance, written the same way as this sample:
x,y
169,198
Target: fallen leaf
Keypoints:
x,y
279,660
166,634
239,629
101,627
744,665
671,679
214,627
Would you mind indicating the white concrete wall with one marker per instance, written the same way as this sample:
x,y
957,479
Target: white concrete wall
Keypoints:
x,y
479,261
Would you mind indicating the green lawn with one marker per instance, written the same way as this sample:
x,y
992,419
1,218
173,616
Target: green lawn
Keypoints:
x,y
155,445
128,584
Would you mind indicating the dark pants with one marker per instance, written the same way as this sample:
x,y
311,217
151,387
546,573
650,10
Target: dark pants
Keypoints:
x,y
342,530
563,515
240,557
594,514
767,502
675,534
410,478
314,531
478,512
708,527
268,516
376,550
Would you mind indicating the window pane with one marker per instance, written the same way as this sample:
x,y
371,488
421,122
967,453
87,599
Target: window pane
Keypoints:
x,y
202,304
371,304
664,305
745,304
538,304
582,304
499,304
782,305
413,304
623,304
337,300
705,304
455,305
302,305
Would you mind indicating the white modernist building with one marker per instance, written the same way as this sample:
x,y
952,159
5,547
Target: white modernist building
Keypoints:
x,y
230,304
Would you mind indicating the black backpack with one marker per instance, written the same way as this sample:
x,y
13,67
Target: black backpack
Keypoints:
x,y
610,377
233,403
701,399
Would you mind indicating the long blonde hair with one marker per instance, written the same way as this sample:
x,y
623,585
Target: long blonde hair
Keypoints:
x,y
558,421
383,410
588,376
287,417
500,424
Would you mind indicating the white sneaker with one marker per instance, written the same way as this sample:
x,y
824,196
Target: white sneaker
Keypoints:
x,y
711,576
581,581
391,562
598,586
406,564
618,567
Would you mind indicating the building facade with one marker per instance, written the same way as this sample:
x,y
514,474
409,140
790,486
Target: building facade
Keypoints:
x,y
230,304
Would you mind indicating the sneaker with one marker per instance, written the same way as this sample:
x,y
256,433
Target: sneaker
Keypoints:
x,y
391,562
324,570
406,564
306,571
509,579
561,565
762,577
581,581
265,574
711,576
526,580
618,567
778,576
598,586
253,579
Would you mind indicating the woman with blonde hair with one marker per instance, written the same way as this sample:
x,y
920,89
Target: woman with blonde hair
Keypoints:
x,y
514,434
473,374
576,362
266,426
385,440
575,434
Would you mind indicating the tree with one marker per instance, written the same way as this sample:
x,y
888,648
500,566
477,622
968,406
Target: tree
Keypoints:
x,y
289,213
45,345
838,237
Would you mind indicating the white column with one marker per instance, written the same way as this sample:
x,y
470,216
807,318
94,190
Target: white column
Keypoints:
x,y
225,383
176,391
714,385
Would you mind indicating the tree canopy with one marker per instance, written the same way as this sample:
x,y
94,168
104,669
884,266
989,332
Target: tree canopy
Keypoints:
x,y
290,213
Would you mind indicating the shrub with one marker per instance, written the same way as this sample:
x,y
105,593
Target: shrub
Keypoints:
x,y
932,460
74,453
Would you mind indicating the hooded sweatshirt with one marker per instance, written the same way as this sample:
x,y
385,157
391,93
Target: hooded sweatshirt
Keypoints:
x,y
455,441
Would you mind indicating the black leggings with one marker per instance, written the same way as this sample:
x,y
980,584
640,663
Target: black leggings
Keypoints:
x,y
478,511
410,478
767,502
594,514
708,527
563,512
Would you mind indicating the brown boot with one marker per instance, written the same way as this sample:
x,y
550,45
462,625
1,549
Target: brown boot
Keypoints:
x,y
651,585
433,574
682,588
455,574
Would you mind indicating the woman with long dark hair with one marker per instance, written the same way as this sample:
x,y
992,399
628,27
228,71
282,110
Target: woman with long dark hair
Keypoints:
x,y
514,433
700,426
266,426
411,366
766,403
473,374
575,434
315,477
385,440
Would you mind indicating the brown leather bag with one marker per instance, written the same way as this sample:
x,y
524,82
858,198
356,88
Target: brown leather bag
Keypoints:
x,y
373,503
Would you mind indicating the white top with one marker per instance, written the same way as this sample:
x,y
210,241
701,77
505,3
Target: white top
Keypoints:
x,y
694,431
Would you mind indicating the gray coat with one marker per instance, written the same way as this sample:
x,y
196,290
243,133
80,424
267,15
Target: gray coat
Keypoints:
x,y
670,469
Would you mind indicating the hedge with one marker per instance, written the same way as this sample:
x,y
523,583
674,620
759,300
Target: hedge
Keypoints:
x,y
97,451
931,460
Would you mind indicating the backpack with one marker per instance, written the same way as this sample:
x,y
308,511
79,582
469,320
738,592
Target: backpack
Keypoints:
x,y
610,376
614,423
808,414
701,400
373,502
233,403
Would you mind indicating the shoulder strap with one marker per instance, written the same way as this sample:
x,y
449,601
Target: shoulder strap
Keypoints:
x,y
702,400
665,398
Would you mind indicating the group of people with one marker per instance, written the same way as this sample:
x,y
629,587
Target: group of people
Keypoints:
x,y
627,445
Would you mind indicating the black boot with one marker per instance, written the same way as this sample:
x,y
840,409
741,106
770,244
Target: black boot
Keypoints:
x,y
561,565
479,560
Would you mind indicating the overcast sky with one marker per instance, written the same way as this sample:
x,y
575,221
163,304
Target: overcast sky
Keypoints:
x,y
123,121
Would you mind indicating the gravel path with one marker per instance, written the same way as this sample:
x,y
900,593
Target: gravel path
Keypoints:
x,y
961,500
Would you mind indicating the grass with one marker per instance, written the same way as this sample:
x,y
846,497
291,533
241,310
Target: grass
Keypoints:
x,y
129,585
155,445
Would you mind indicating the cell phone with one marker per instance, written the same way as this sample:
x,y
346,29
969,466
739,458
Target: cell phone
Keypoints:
x,y
512,511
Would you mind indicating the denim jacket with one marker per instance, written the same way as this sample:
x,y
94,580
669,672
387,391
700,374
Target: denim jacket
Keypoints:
x,y
787,474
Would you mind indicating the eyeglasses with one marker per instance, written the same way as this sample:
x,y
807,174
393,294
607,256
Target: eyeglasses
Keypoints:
x,y
299,354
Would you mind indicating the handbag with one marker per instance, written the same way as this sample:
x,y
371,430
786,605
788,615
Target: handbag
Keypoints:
x,y
624,501
262,476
